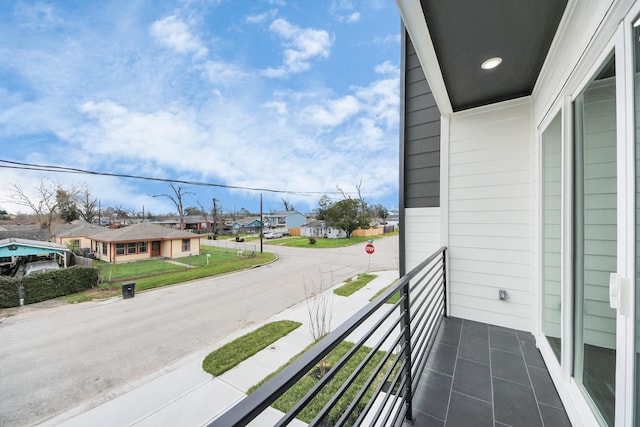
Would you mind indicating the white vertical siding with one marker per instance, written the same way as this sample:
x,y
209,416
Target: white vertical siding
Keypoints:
x,y
422,231
490,214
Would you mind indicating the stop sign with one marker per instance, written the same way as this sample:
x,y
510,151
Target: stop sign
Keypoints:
x,y
369,248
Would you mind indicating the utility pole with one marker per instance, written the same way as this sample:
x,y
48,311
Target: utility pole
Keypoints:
x,y
215,215
261,223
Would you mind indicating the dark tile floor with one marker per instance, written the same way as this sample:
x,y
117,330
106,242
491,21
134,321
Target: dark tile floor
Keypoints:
x,y
483,375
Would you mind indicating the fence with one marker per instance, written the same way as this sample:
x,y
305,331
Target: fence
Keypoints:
x,y
373,382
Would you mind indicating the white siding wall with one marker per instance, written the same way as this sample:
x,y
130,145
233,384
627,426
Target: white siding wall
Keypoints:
x,y
490,214
422,228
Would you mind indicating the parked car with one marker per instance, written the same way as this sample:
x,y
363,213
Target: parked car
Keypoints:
x,y
40,267
273,235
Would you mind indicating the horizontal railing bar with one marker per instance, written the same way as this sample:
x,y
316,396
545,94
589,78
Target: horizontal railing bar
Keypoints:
x,y
343,388
421,359
428,286
254,404
379,388
427,344
335,369
366,386
428,299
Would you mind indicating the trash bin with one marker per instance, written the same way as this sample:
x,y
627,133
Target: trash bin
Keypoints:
x,y
128,290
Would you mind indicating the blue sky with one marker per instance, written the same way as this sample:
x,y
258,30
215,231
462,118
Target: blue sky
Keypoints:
x,y
298,96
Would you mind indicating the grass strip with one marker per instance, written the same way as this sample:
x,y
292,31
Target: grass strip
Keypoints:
x,y
354,285
394,298
240,349
299,389
303,242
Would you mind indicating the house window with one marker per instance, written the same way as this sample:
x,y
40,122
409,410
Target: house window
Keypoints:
x,y
119,248
76,243
104,248
142,247
131,248
186,245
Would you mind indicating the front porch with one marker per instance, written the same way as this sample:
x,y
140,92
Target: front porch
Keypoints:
x,y
422,368
484,375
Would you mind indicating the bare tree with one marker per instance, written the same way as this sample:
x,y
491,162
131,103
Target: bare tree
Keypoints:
x,y
176,198
87,204
202,209
319,301
288,206
43,205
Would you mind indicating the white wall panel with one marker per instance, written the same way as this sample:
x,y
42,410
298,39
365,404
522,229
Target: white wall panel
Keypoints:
x,y
490,214
422,234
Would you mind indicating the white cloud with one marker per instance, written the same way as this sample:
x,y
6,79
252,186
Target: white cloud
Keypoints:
x,y
354,17
174,33
302,45
222,73
387,68
344,11
333,113
262,17
386,40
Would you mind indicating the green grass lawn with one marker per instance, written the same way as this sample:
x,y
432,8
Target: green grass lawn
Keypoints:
x,y
303,242
240,349
394,298
354,285
157,275
298,390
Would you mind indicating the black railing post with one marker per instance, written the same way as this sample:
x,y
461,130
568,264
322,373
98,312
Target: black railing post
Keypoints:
x,y
407,351
444,280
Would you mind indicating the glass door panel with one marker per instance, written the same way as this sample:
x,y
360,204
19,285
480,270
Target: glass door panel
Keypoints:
x,y
595,240
551,233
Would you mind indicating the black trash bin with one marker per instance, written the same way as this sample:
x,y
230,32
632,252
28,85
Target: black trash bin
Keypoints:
x,y
128,290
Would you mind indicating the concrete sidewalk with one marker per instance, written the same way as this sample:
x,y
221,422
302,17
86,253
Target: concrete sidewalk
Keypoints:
x,y
183,394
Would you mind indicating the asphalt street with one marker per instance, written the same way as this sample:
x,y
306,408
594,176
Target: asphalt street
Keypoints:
x,y
52,359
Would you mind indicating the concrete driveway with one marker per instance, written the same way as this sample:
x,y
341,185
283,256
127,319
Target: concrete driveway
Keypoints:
x,y
52,359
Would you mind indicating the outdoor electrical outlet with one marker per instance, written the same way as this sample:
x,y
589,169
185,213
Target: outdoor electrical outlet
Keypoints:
x,y
502,294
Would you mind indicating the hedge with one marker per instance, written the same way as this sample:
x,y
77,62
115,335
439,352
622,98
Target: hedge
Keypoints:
x,y
8,291
48,285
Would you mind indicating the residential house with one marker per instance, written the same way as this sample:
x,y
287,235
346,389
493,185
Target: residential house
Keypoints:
x,y
246,225
520,153
143,241
76,234
286,219
319,228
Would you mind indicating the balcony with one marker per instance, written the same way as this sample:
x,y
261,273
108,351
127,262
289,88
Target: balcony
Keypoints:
x,y
407,363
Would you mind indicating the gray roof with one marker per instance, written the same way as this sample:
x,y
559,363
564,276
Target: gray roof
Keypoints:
x,y
142,231
282,214
77,228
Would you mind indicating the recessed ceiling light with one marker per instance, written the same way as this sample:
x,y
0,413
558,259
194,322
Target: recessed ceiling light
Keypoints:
x,y
491,63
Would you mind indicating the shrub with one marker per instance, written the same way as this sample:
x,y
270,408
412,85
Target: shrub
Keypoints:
x,y
43,286
8,292
312,240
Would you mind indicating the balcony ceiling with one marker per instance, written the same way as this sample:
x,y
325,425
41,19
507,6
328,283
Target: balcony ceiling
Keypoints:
x,y
465,33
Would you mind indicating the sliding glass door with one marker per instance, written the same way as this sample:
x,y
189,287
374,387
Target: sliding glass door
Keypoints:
x,y
551,234
595,240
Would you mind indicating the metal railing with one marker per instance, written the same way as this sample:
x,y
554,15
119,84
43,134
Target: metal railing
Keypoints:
x,y
374,360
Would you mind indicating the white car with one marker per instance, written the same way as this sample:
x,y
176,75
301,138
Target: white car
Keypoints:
x,y
273,235
40,266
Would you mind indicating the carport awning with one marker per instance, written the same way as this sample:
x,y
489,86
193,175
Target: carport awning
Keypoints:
x,y
24,247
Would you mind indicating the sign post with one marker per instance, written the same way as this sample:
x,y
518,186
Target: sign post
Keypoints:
x,y
369,249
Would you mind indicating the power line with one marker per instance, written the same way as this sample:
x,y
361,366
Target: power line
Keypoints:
x,y
9,164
